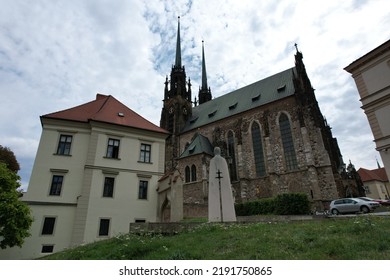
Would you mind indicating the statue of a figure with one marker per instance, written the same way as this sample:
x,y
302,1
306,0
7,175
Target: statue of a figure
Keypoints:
x,y
221,203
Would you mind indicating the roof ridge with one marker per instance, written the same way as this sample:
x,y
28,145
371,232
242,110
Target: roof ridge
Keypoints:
x,y
107,97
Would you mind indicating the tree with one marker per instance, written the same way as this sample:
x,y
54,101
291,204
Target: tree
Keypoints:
x,y
15,215
8,157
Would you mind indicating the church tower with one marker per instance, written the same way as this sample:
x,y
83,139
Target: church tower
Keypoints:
x,y
177,105
204,91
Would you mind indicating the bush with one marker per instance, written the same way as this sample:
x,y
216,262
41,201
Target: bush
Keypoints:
x,y
292,204
283,204
258,207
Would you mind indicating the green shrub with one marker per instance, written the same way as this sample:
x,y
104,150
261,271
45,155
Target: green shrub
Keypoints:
x,y
292,204
257,207
283,204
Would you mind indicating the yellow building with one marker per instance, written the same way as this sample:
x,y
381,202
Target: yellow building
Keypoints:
x,y
372,77
376,183
95,172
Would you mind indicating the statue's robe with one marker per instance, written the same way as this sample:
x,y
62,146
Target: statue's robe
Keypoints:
x,y
220,193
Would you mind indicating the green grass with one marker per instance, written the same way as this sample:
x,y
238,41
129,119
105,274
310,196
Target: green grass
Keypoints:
x,y
365,237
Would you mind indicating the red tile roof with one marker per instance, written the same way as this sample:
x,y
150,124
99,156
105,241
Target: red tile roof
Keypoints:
x,y
378,174
105,108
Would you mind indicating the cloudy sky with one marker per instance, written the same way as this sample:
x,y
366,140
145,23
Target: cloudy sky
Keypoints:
x,y
58,54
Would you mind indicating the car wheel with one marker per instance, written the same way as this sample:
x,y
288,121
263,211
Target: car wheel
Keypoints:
x,y
335,211
365,209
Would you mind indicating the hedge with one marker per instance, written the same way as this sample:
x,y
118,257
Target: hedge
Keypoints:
x,y
283,204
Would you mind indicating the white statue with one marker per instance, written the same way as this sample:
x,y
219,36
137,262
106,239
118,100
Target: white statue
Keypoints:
x,y
221,203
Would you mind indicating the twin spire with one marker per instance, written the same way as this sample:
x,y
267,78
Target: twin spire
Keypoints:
x,y
204,90
178,47
204,75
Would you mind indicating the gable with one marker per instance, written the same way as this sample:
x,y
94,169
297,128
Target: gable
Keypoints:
x,y
199,145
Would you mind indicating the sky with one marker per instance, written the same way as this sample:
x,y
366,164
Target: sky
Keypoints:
x,y
58,54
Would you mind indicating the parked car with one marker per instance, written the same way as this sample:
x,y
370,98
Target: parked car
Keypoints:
x,y
380,201
386,202
352,205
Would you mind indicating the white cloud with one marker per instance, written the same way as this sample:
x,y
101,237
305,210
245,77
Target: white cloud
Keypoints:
x,y
58,54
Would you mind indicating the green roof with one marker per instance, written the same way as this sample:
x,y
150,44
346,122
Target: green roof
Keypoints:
x,y
199,145
254,95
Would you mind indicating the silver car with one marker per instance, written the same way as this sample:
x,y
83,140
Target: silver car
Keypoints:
x,y
352,205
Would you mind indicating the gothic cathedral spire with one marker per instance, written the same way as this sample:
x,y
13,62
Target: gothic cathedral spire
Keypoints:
x,y
178,84
204,75
204,91
178,47
177,105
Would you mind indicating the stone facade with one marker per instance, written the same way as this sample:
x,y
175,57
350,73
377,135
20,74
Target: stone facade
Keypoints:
x,y
295,148
314,175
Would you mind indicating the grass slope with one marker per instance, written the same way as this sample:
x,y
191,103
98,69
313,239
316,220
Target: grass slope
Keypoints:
x,y
358,238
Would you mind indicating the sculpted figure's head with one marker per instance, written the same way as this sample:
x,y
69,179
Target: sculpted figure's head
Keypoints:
x,y
217,151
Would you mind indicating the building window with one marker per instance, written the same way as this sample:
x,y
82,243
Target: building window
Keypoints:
x,y
187,174
143,190
104,227
258,149
193,173
113,148
56,185
367,189
64,145
47,248
48,225
287,141
145,153
232,157
108,189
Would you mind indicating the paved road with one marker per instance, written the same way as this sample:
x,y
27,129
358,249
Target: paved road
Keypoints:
x,y
377,212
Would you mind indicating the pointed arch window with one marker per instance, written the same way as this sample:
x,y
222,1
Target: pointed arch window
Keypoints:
x,y
187,172
288,143
193,173
258,150
232,157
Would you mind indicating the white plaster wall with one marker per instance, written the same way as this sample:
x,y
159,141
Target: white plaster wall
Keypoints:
x,y
122,209
32,246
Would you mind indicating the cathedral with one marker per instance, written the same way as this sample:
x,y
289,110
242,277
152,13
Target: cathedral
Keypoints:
x,y
272,134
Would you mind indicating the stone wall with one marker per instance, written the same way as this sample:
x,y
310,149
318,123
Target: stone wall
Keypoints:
x,y
314,174
194,210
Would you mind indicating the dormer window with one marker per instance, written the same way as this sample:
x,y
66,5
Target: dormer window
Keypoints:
x,y
192,149
212,114
194,120
257,97
282,88
232,107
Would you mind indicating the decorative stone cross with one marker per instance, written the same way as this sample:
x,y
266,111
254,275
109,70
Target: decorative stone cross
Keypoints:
x,y
219,177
